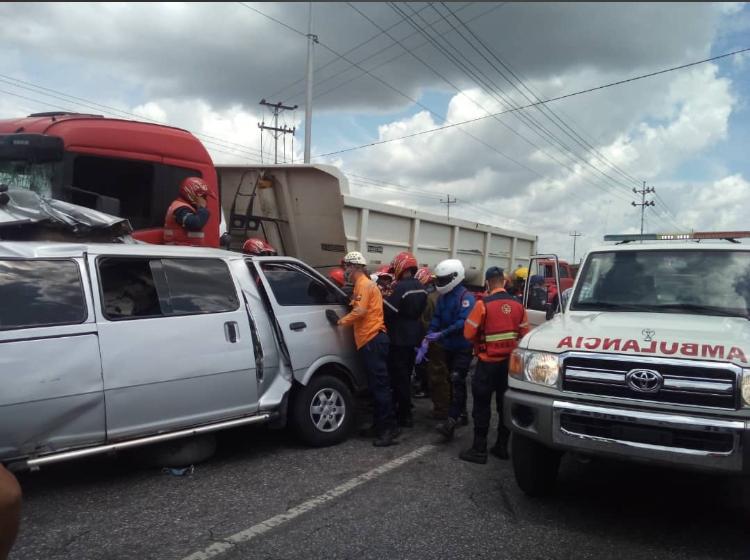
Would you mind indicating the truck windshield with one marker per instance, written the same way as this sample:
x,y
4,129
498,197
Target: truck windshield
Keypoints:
x,y
35,177
703,282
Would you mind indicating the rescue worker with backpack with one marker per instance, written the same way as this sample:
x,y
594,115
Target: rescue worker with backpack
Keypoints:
x,y
372,343
187,215
494,327
453,351
403,309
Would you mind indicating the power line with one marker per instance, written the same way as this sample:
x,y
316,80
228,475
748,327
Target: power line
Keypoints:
x,y
387,47
543,109
550,100
472,71
351,50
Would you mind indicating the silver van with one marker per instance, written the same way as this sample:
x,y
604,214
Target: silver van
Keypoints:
x,y
109,346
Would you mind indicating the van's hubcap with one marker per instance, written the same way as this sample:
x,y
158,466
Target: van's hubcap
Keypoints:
x,y
327,410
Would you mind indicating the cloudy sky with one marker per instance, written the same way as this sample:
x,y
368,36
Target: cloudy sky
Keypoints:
x,y
389,70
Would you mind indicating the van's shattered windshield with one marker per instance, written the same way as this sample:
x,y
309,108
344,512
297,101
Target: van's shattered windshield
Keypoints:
x,y
703,282
36,177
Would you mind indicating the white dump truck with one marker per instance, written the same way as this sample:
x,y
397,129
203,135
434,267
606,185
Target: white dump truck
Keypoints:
x,y
306,211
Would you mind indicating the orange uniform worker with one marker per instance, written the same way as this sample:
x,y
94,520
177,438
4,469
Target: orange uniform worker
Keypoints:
x,y
494,326
372,343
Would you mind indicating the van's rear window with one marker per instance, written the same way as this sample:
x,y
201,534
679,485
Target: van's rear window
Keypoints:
x,y
37,293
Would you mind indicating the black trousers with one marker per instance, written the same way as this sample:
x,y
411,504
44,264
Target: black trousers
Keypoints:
x,y
489,377
400,366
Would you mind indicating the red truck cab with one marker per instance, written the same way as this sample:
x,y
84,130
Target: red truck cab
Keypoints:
x,y
126,168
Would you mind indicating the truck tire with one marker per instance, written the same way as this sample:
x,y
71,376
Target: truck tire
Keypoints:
x,y
535,466
322,412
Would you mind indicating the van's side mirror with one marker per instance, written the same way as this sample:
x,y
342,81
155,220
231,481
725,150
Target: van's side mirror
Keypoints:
x,y
549,311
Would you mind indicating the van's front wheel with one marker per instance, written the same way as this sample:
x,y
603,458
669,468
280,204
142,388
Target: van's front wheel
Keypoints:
x,y
323,411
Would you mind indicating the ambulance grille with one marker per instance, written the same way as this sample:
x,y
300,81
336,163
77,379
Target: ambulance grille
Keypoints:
x,y
684,382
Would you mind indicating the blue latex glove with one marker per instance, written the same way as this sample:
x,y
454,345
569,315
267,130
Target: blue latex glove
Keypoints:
x,y
422,351
432,337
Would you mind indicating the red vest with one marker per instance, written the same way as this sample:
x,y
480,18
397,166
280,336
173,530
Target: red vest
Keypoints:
x,y
503,315
175,234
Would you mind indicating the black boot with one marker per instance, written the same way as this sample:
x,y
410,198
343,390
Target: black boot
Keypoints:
x,y
386,438
500,449
477,453
447,428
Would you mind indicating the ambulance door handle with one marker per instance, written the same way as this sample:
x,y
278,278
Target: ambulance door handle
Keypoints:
x,y
298,326
230,331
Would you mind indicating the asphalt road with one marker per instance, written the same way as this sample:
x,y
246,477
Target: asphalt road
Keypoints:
x,y
427,505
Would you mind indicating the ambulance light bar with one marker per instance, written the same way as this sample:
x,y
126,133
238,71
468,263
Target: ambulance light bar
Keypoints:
x,y
691,236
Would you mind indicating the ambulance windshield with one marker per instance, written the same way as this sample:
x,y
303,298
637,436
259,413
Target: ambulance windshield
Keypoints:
x,y
703,282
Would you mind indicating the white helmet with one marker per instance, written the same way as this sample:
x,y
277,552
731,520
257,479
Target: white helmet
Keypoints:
x,y
355,257
449,274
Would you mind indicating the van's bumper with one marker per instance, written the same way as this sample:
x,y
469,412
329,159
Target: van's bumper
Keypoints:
x,y
680,440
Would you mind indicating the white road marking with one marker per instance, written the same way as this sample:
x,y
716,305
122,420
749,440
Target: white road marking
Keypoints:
x,y
219,547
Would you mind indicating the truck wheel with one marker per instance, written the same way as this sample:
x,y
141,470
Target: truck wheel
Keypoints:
x,y
323,411
534,465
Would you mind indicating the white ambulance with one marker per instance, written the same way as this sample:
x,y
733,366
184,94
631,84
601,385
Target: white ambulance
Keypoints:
x,y
648,361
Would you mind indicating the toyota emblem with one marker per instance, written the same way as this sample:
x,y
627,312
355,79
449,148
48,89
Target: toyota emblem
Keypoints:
x,y
644,380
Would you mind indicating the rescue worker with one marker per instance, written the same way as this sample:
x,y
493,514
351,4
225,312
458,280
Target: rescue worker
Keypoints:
x,y
421,370
337,277
453,351
403,309
519,277
10,511
256,246
494,327
383,277
372,343
537,293
187,215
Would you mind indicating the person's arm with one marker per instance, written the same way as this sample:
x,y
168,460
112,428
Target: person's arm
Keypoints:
x,y
192,221
523,327
436,317
465,305
359,306
392,304
10,511
473,322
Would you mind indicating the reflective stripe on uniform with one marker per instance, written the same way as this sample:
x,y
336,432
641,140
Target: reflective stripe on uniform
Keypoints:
x,y
472,323
196,234
413,292
501,336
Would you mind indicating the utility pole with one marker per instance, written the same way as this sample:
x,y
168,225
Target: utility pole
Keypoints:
x,y
643,203
448,203
311,40
575,235
277,132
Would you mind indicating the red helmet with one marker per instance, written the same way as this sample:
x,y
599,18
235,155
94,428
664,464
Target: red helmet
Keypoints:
x,y
255,246
193,187
337,277
384,270
403,262
424,275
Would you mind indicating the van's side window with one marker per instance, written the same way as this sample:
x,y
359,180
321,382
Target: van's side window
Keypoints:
x,y
40,293
200,286
133,288
128,288
292,286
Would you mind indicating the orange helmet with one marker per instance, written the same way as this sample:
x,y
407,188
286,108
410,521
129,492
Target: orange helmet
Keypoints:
x,y
255,246
424,275
403,262
337,277
192,188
